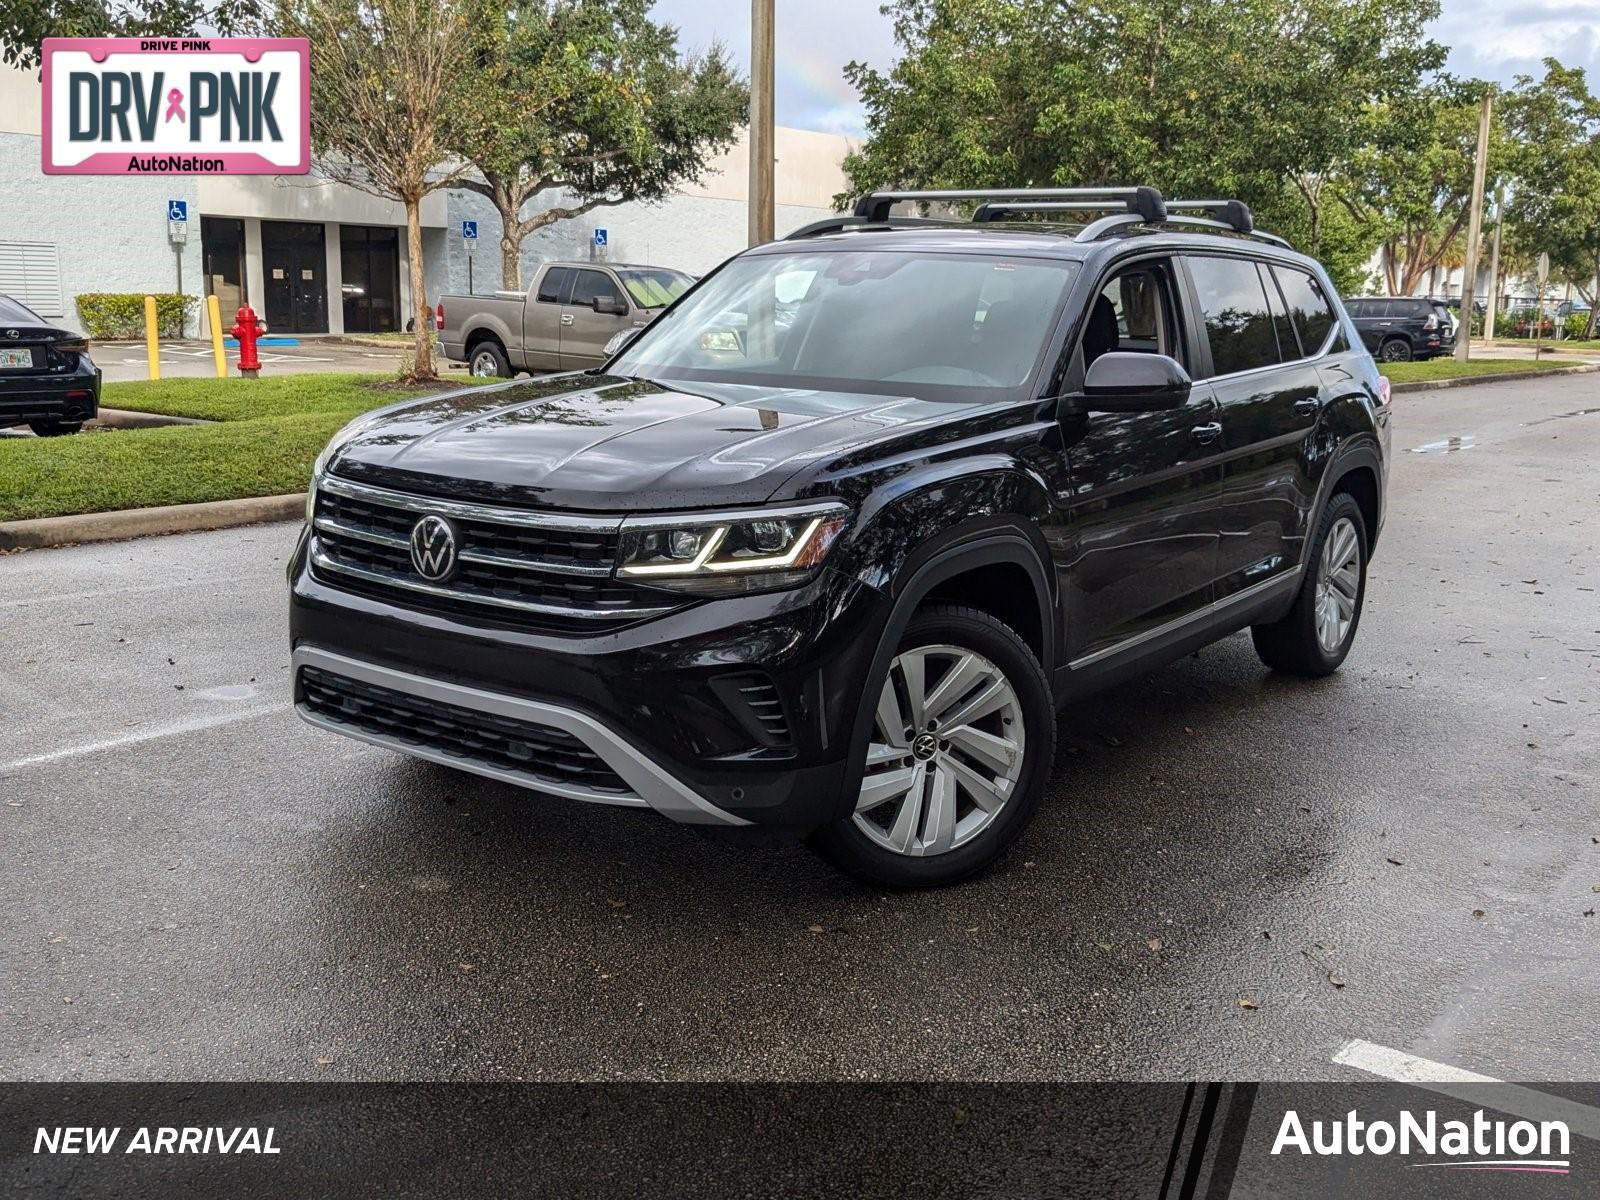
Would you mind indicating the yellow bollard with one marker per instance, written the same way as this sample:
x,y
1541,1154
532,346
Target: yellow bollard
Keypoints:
x,y
152,344
214,311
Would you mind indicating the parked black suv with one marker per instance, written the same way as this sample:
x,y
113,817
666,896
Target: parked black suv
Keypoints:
x,y
47,380
832,572
1399,328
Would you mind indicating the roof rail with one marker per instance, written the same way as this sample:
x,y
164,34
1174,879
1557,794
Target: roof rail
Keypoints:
x,y
1145,201
1235,214
994,210
1260,235
843,221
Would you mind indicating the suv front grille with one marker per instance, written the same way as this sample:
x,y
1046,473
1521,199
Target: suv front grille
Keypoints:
x,y
547,570
539,752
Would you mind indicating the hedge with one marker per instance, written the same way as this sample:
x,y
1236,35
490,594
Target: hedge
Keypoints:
x,y
121,314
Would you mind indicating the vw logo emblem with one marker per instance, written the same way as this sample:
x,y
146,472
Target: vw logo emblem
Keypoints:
x,y
433,548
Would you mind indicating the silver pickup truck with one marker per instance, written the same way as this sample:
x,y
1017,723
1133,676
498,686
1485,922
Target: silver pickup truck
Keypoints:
x,y
570,311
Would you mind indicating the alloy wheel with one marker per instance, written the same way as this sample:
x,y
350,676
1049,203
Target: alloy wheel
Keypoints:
x,y
485,365
1338,585
946,753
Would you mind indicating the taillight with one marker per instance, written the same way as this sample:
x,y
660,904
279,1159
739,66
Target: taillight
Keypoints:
x,y
1431,323
1384,391
439,323
73,346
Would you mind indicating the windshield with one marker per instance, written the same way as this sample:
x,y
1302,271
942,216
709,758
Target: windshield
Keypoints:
x,y
889,322
654,287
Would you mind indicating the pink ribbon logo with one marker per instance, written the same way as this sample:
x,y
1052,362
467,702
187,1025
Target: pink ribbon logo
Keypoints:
x,y
175,105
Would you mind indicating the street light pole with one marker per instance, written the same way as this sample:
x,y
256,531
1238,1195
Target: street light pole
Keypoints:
x,y
1469,280
762,148
1493,298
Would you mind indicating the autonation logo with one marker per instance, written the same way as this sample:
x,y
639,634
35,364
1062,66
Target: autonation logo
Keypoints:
x,y
1480,1144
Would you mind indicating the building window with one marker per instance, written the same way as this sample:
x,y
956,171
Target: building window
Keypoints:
x,y
222,254
369,268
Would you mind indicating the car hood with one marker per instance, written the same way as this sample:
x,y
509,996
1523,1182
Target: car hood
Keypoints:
x,y
609,444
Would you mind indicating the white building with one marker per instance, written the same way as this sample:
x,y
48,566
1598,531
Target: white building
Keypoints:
x,y
313,256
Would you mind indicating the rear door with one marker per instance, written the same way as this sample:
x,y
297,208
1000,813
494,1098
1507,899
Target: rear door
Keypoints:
x,y
541,318
585,332
1269,395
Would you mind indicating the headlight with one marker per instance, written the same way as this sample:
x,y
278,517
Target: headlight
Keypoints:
x,y
730,552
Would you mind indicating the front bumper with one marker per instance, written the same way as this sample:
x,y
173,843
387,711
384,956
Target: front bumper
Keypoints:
x,y
731,712
74,396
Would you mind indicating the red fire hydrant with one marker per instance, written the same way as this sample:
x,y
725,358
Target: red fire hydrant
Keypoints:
x,y
247,329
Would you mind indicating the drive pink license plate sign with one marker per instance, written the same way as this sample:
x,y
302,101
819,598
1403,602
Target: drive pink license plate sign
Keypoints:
x,y
177,106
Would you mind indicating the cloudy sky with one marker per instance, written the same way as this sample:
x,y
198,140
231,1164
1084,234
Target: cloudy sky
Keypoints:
x,y
1494,39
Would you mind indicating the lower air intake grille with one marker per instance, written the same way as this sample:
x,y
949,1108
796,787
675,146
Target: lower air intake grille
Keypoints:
x,y
537,751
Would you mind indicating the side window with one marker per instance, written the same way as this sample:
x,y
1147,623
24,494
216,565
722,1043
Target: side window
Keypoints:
x,y
1133,312
554,284
1233,305
1308,307
1288,346
591,285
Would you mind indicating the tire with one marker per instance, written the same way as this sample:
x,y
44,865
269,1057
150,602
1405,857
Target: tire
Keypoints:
x,y
1395,350
946,777
54,428
1301,643
487,360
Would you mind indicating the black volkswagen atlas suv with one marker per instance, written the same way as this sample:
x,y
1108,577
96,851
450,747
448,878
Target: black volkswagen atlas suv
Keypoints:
x,y
821,550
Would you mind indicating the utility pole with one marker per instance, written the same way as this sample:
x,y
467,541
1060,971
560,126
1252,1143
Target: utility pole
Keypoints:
x,y
762,148
1469,280
1491,301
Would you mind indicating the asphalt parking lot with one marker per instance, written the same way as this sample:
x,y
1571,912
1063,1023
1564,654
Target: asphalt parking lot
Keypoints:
x,y
1234,876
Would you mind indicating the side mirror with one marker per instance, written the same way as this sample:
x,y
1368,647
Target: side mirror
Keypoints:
x,y
1122,381
609,306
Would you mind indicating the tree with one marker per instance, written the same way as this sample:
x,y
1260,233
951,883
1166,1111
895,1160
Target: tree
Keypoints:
x,y
1411,183
24,24
383,73
589,98
1555,202
1182,94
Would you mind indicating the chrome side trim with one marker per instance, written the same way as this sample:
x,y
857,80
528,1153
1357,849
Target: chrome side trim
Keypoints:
x,y
322,562
465,511
1214,609
652,784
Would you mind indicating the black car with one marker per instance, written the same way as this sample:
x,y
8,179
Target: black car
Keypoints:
x,y
47,380
832,575
1400,328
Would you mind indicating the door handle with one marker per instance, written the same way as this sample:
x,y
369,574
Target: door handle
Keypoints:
x,y
1307,404
566,318
1208,432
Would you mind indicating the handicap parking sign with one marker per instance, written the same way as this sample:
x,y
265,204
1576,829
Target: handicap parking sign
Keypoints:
x,y
469,230
177,210
599,237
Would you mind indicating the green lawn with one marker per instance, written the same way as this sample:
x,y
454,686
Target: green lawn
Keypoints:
x,y
269,432
1449,368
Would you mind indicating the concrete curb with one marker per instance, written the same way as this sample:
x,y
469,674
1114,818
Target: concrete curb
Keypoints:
x,y
126,418
142,522
1435,385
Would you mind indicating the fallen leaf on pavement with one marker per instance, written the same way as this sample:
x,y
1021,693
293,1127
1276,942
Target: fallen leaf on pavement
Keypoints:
x,y
1246,1002
1397,862
815,929
1154,944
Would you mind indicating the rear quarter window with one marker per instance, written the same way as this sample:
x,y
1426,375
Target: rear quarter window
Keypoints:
x,y
1309,309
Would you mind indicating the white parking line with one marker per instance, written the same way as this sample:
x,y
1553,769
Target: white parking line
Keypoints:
x,y
1467,1086
193,725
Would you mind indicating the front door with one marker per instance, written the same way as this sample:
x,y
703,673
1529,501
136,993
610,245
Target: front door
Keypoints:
x,y
1140,546
294,258
585,332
